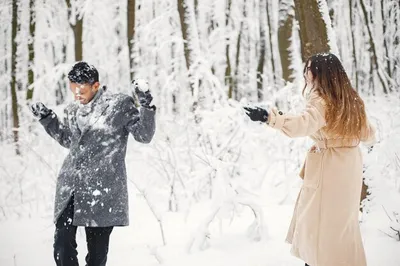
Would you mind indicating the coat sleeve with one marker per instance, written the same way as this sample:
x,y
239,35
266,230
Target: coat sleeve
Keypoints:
x,y
307,123
58,130
141,124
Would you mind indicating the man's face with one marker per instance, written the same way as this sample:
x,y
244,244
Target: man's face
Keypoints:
x,y
84,93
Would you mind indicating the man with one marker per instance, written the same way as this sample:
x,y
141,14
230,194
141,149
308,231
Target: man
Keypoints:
x,y
92,184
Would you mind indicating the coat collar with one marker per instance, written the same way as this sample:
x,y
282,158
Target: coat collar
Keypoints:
x,y
99,106
98,109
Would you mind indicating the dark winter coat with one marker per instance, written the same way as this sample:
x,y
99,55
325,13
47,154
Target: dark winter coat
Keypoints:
x,y
94,170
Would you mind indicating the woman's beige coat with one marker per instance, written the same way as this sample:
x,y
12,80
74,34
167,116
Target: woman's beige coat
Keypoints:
x,y
325,230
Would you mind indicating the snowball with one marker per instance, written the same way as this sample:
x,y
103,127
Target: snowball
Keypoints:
x,y
96,192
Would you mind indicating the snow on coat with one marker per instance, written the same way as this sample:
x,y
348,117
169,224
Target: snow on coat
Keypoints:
x,y
94,170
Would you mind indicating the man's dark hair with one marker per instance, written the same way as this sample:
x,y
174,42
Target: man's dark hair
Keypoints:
x,y
83,73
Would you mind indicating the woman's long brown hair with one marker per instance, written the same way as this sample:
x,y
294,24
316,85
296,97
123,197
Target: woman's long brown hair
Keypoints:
x,y
345,112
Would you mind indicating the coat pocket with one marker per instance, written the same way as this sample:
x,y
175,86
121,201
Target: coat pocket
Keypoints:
x,y
313,169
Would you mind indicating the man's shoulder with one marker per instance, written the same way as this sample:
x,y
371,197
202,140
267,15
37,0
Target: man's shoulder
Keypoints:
x,y
120,102
115,95
118,97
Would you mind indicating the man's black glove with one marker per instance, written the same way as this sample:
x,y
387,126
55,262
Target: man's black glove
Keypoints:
x,y
39,110
257,114
143,93
145,98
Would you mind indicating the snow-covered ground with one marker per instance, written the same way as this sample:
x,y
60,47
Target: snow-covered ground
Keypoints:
x,y
29,241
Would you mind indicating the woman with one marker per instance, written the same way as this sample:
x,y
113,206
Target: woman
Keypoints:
x,y
324,230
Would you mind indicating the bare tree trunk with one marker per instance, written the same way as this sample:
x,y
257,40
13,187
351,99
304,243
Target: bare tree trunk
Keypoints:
x,y
31,50
131,33
331,12
190,45
118,28
313,31
373,49
77,28
385,45
14,99
284,37
4,110
371,72
261,59
61,84
196,7
238,43
182,9
271,47
211,26
353,43
228,70
173,93
396,43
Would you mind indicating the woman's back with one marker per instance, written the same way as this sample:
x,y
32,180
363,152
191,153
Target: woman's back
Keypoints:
x,y
327,138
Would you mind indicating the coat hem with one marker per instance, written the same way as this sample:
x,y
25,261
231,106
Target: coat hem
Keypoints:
x,y
101,225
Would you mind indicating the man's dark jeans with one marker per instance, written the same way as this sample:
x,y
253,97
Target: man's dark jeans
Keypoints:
x,y
97,238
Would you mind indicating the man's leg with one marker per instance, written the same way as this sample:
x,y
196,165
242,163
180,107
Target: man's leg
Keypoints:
x,y
97,239
65,253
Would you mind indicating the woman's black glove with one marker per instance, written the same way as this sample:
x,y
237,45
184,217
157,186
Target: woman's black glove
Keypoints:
x,y
257,114
39,110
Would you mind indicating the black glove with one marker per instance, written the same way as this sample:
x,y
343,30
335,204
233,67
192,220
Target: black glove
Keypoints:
x,y
145,98
257,114
143,94
39,110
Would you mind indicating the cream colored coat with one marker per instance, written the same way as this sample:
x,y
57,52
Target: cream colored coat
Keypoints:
x,y
325,230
